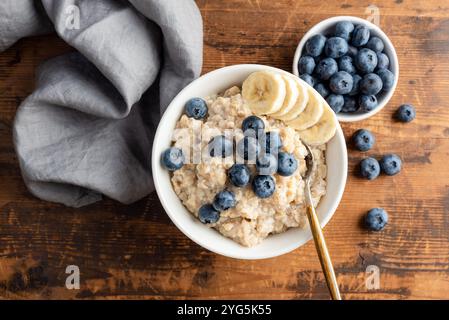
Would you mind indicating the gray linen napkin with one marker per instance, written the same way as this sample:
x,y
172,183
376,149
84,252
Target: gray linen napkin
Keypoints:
x,y
87,129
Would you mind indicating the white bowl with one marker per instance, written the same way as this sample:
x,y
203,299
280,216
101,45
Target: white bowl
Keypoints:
x,y
275,245
326,27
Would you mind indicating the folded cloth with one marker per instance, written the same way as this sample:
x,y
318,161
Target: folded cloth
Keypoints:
x,y
87,129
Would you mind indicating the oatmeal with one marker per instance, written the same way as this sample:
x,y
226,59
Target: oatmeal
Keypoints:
x,y
198,181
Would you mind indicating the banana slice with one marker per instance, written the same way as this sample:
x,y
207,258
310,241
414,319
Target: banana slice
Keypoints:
x,y
300,105
291,96
323,130
311,114
264,91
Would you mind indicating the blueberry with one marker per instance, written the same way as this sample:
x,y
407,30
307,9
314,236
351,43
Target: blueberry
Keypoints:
x,y
390,164
336,102
252,126
382,61
224,200
366,60
306,64
322,89
220,146
405,113
196,108
287,164
173,159
352,51
367,103
375,44
387,78
239,175
349,105
248,148
345,64
271,142
207,214
355,85
263,186
326,68
363,140
315,45
376,219
341,82
335,47
360,36
308,79
371,84
267,164
369,168
343,29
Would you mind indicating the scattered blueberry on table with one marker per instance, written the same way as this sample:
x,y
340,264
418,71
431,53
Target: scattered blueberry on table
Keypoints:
x,y
349,61
405,113
173,159
263,186
239,175
196,108
391,164
287,164
363,140
207,214
376,219
369,168
224,200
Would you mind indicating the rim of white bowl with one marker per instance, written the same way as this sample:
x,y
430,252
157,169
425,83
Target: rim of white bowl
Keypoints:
x,y
325,24
155,161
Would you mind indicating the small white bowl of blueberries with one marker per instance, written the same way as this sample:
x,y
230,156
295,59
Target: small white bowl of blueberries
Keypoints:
x,y
351,63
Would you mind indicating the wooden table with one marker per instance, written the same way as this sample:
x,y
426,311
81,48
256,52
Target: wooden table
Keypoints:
x,y
136,252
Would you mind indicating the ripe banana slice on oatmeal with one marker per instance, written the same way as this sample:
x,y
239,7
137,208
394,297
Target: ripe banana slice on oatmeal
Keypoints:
x,y
299,105
291,96
323,130
264,91
311,114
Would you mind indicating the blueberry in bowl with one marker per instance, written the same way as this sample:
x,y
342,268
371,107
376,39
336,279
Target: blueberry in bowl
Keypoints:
x,y
354,46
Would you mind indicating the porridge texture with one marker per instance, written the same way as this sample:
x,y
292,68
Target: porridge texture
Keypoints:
x,y
253,218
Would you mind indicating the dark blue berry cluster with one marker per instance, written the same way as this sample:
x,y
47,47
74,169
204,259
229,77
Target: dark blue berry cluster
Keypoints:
x,y
349,67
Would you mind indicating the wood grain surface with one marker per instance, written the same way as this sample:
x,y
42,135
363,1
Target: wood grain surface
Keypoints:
x,y
136,252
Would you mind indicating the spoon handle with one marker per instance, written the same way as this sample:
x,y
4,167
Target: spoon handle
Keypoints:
x,y
323,253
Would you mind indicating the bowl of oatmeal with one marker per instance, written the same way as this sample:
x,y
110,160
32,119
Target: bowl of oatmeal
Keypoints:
x,y
253,223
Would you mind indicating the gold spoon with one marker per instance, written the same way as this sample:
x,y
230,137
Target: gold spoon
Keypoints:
x,y
320,244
